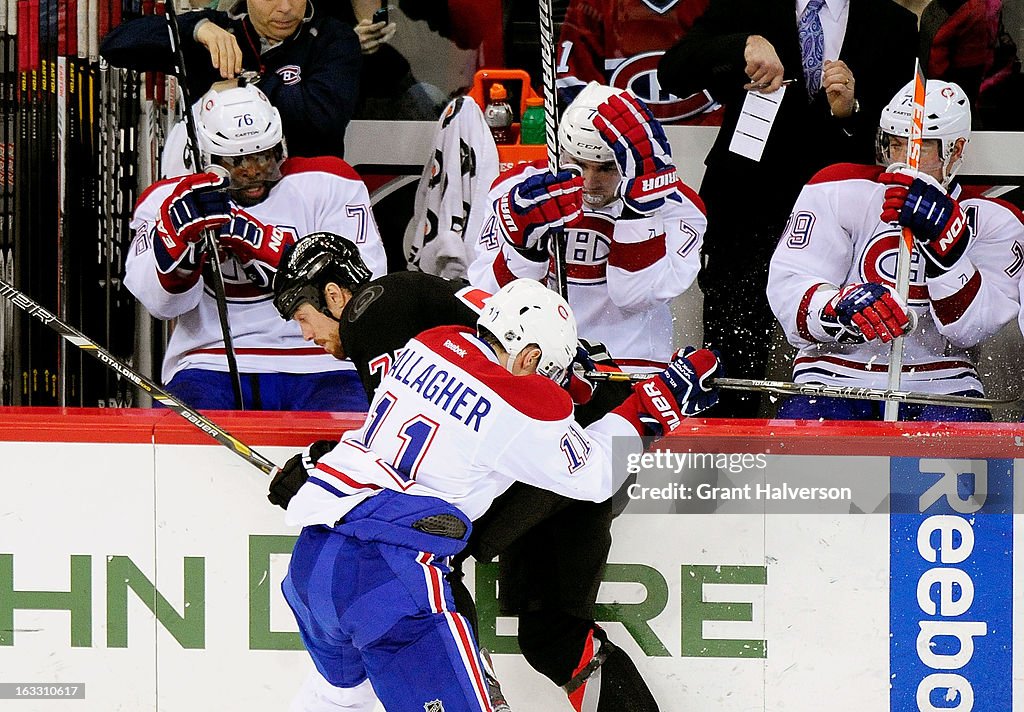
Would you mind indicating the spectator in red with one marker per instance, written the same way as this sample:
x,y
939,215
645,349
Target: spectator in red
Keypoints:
x,y
619,43
958,41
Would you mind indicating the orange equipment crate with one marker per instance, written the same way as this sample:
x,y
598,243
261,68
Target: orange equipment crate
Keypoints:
x,y
517,82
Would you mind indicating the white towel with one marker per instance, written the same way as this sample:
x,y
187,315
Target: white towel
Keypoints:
x,y
455,180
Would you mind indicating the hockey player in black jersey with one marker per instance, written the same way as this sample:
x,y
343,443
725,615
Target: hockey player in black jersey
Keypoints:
x,y
552,549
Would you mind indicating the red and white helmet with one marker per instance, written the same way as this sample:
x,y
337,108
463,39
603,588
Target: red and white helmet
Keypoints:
x,y
576,133
947,117
525,312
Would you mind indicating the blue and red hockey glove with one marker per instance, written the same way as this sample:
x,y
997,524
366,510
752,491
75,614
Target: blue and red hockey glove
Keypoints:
x,y
681,390
257,247
540,203
863,312
939,225
197,202
641,150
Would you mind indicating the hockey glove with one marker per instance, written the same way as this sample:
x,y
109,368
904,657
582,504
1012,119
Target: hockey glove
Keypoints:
x,y
939,225
680,390
641,151
197,202
538,204
257,247
295,472
862,312
581,389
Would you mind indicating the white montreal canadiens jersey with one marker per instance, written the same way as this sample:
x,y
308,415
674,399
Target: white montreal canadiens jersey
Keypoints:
x,y
835,237
622,274
448,421
315,194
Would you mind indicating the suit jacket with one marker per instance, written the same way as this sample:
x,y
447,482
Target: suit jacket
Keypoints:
x,y
879,47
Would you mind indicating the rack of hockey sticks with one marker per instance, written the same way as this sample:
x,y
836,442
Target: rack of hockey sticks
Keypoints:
x,y
87,345
71,174
817,390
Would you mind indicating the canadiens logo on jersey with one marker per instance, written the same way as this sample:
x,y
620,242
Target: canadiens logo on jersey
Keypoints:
x,y
639,74
587,247
242,287
878,264
290,74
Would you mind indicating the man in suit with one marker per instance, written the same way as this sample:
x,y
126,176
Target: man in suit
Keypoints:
x,y
841,61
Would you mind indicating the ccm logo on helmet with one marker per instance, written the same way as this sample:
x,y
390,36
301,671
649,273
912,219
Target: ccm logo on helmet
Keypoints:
x,y
662,403
658,181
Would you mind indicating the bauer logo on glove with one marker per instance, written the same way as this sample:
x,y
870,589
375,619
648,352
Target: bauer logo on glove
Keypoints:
x,y
540,203
641,151
682,389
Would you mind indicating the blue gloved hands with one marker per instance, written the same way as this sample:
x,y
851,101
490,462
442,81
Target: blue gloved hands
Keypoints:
x,y
542,202
940,228
862,312
680,390
641,150
197,202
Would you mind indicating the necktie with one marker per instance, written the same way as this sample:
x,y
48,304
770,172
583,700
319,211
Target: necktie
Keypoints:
x,y
812,45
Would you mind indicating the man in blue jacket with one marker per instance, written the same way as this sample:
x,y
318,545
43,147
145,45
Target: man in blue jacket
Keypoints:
x,y
308,64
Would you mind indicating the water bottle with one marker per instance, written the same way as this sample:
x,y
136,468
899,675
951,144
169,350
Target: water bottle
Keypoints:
x,y
498,114
532,130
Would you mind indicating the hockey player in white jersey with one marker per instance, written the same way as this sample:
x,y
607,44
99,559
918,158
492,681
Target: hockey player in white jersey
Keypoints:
x,y
265,204
458,418
832,277
633,229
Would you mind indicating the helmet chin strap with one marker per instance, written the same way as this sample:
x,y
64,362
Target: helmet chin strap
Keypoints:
x,y
510,363
325,309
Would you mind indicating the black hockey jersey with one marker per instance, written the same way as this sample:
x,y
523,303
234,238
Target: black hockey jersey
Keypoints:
x,y
385,313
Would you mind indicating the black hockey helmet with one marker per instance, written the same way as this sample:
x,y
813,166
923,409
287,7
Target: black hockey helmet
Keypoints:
x,y
315,260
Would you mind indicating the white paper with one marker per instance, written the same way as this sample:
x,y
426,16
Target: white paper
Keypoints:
x,y
756,120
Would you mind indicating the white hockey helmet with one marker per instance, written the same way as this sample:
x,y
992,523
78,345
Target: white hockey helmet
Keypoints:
x,y
576,133
947,117
525,312
238,121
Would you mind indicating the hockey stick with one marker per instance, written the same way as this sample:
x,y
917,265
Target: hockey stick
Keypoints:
x,y
25,303
822,391
210,238
906,239
547,61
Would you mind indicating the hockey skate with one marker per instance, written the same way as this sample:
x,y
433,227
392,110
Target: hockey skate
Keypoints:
x,y
497,699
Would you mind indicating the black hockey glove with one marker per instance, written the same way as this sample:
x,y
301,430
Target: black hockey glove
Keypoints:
x,y
296,471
